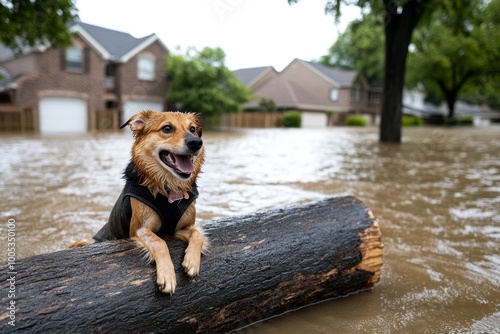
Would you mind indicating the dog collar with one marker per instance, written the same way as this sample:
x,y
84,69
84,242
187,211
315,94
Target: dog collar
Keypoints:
x,y
172,197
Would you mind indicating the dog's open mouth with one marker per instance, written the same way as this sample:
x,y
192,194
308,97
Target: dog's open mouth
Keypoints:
x,y
182,165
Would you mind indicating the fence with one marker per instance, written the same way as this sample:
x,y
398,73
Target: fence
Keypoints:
x,y
251,120
16,119
104,120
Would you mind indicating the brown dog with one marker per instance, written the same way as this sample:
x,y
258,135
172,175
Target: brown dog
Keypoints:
x,y
160,192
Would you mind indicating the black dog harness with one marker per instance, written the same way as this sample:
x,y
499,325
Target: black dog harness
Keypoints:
x,y
118,225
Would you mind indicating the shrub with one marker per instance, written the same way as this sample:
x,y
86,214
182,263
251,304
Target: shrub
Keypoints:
x,y
356,121
461,120
292,119
412,121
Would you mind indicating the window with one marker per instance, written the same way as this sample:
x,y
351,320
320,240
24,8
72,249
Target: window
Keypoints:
x,y
334,94
356,93
74,59
146,68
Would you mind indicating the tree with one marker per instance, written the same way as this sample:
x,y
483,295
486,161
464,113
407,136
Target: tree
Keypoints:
x,y
401,18
360,47
457,52
267,105
31,22
200,82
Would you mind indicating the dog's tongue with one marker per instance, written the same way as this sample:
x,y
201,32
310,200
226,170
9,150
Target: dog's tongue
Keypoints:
x,y
183,163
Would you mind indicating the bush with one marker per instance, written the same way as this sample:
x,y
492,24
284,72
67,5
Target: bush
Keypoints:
x,y
356,121
412,121
292,119
461,120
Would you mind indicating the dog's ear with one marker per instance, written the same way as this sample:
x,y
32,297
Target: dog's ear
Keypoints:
x,y
138,121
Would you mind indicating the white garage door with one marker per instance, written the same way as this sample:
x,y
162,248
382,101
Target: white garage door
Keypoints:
x,y
314,119
132,107
62,115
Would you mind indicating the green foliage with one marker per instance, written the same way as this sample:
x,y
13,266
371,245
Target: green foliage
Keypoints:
x,y
27,23
456,54
461,120
267,105
356,121
292,119
360,47
200,82
412,121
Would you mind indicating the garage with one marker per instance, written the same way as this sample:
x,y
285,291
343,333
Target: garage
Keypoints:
x,y
314,119
60,115
132,107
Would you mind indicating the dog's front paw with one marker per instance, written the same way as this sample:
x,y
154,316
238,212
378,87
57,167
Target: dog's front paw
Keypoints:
x,y
165,279
191,263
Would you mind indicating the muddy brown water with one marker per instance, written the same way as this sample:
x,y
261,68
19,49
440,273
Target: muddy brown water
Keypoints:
x,y
437,198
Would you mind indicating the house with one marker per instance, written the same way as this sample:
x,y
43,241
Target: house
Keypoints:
x,y
67,88
414,105
318,91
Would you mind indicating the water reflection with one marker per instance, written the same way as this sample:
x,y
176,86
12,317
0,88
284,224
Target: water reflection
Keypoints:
x,y
437,197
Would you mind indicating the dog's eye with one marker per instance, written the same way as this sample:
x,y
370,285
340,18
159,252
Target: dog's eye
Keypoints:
x,y
192,129
167,129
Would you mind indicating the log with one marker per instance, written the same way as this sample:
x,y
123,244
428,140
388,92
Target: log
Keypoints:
x,y
260,265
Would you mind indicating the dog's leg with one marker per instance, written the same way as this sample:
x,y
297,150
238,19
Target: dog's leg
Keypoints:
x,y
196,246
81,243
165,274
143,222
197,243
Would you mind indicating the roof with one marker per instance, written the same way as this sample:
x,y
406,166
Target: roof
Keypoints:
x,y
8,81
7,53
339,76
286,95
111,44
249,76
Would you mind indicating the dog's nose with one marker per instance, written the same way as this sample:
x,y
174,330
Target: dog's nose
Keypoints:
x,y
193,143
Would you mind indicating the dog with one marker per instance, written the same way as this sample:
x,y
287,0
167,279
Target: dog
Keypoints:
x,y
160,192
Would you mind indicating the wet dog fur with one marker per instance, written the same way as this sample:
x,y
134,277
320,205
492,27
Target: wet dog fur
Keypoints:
x,y
179,134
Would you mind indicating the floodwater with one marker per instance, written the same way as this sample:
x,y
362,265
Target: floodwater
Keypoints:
x,y
436,196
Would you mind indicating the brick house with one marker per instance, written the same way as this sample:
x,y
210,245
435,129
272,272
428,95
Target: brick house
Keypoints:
x,y
69,90
323,94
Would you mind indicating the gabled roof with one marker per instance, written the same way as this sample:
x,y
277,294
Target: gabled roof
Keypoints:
x,y
248,76
286,95
338,77
112,44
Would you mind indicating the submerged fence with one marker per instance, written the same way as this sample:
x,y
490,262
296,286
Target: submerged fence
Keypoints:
x,y
251,120
16,119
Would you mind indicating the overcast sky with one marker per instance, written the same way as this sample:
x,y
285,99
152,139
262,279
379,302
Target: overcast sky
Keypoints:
x,y
251,32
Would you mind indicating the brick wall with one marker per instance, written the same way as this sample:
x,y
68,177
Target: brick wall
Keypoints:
x,y
130,87
50,78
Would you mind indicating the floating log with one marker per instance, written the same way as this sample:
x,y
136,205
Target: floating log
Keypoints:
x,y
260,265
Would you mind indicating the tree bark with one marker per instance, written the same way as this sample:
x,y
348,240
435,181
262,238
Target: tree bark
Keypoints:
x,y
260,266
399,27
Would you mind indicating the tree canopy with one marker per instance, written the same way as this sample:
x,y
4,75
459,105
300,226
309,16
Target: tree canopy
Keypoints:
x,y
31,22
457,53
360,47
200,82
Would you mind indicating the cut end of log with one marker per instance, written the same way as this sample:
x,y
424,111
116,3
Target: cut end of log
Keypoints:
x,y
372,248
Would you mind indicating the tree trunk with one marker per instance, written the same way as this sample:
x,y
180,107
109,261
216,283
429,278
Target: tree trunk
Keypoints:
x,y
451,98
260,265
398,30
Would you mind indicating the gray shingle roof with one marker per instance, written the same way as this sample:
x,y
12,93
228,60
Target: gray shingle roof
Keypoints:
x,y
247,75
340,76
117,43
